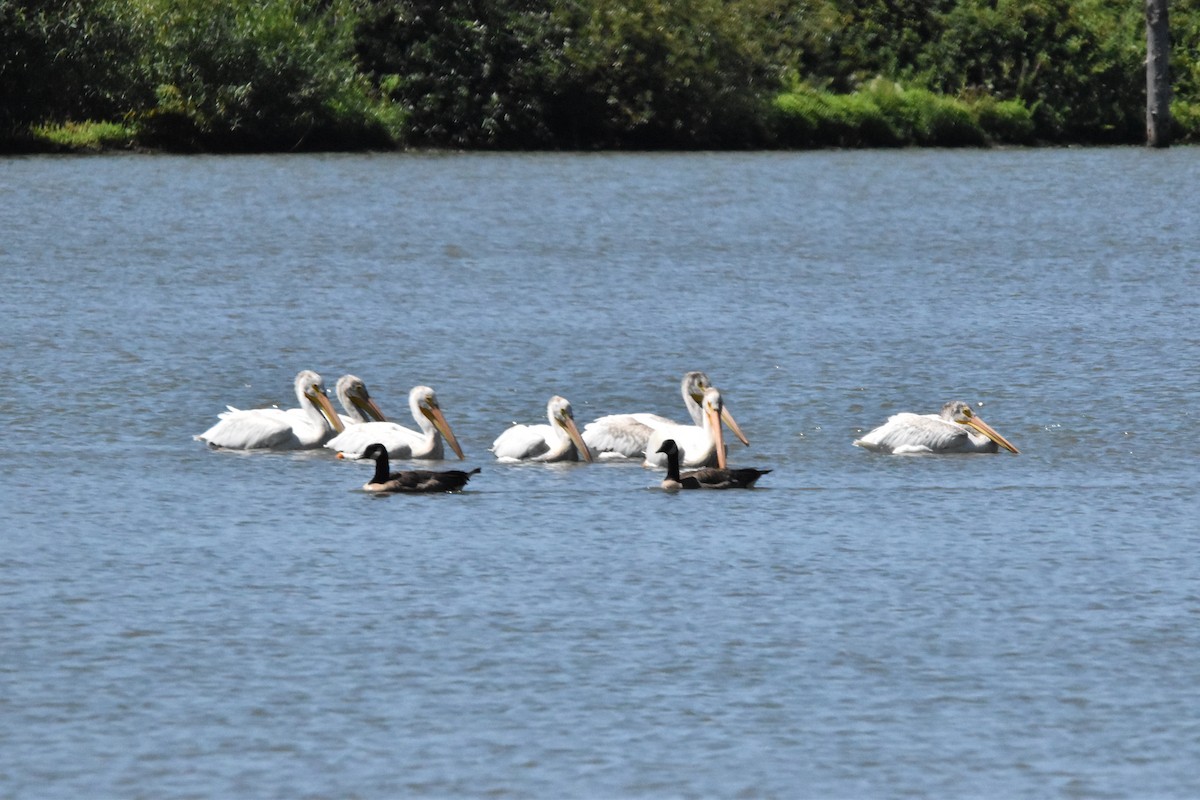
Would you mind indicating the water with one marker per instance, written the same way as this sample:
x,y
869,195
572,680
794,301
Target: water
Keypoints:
x,y
178,623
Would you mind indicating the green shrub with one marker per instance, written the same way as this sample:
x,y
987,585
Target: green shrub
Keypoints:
x,y
808,118
885,114
63,60
85,135
1076,64
875,128
924,118
1185,122
795,118
663,73
1004,121
462,73
942,121
259,75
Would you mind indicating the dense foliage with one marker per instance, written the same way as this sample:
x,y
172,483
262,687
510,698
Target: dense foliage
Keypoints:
x,y
257,74
320,74
65,59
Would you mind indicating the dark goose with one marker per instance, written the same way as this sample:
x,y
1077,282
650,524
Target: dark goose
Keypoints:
x,y
414,481
706,477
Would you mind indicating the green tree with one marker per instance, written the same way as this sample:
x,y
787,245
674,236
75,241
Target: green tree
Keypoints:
x,y
467,73
258,75
287,74
66,60
850,42
1185,49
664,73
1077,65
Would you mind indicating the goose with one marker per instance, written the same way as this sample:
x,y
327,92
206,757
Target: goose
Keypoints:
x,y
706,477
413,481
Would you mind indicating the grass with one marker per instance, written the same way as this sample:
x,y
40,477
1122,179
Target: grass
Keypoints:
x,y
85,136
884,114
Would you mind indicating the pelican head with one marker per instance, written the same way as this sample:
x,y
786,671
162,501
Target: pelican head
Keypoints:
x,y
424,402
695,384
959,412
311,391
559,412
353,395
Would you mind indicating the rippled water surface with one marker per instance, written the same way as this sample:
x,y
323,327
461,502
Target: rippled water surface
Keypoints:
x,y
177,622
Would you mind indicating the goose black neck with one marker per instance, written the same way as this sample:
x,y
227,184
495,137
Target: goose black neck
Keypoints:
x,y
673,464
382,467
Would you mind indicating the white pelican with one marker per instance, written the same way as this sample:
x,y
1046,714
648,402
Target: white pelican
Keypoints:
x,y
626,435
399,441
706,477
558,441
301,428
415,480
353,395
957,429
699,445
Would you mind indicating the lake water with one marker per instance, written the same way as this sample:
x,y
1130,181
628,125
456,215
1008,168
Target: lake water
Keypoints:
x,y
177,622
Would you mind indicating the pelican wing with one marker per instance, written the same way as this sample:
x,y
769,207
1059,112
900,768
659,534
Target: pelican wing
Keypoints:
x,y
623,434
916,433
696,446
522,442
399,441
252,429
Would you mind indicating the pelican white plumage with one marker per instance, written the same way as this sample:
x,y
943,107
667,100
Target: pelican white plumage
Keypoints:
x,y
627,435
356,400
399,441
308,426
957,429
558,441
698,445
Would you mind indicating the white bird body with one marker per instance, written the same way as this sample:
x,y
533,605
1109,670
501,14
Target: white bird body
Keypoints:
x,y
628,435
956,429
698,445
623,435
558,441
399,441
306,427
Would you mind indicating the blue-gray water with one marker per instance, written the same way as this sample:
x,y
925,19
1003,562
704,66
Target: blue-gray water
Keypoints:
x,y
178,623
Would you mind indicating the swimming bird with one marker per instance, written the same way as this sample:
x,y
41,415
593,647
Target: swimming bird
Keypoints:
x,y
707,477
699,445
558,441
352,393
626,435
412,481
308,426
957,429
402,442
